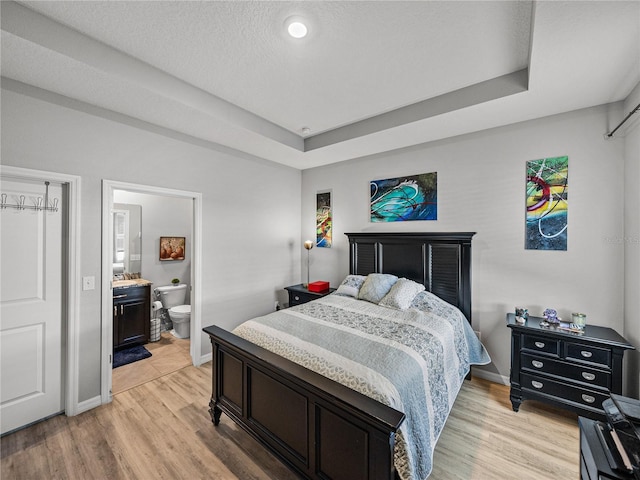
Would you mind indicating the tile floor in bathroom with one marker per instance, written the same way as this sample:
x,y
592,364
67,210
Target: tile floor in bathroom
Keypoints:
x,y
167,355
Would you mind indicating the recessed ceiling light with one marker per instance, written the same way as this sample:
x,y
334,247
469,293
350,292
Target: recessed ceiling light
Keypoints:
x,y
296,29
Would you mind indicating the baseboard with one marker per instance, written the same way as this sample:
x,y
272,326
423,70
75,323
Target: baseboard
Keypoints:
x,y
89,404
492,377
207,357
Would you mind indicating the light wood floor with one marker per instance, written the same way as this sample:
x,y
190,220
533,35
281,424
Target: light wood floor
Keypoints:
x,y
162,430
167,355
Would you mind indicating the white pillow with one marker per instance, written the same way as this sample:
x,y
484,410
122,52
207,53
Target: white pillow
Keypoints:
x,y
350,286
376,286
402,294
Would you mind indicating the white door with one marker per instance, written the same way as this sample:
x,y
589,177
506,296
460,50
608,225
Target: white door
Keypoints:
x,y
31,307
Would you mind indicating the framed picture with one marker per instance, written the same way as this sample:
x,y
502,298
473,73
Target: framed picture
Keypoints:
x,y
547,191
323,219
400,199
172,248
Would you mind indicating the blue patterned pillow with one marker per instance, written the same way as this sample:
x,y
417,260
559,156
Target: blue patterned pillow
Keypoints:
x,y
402,294
350,286
376,286
428,302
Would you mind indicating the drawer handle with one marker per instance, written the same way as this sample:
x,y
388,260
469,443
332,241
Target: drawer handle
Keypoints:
x,y
539,344
297,297
588,398
536,384
588,376
537,363
586,354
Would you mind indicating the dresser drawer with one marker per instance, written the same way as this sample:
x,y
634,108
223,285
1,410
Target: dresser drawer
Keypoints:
x,y
297,298
121,294
564,392
588,353
570,371
541,344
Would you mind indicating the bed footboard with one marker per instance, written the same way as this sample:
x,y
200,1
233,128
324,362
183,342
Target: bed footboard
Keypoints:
x,y
319,428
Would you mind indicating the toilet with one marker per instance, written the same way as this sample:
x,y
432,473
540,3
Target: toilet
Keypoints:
x,y
172,298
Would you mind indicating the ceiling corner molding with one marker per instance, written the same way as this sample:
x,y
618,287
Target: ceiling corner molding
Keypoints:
x,y
36,28
496,88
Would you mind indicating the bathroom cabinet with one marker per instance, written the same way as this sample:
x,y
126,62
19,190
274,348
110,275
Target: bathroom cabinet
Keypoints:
x,y
131,315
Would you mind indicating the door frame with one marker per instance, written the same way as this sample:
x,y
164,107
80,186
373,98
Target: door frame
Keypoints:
x,y
195,350
70,297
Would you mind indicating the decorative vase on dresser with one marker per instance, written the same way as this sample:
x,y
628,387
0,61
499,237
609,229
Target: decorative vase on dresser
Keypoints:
x,y
571,370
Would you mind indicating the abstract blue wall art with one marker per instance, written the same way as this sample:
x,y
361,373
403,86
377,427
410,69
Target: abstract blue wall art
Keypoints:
x,y
414,197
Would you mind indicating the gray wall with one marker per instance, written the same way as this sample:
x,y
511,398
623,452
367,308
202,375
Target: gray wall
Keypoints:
x,y
631,137
251,208
481,180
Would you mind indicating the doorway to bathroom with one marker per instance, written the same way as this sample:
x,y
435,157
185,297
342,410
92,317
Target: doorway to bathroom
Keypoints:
x,y
136,220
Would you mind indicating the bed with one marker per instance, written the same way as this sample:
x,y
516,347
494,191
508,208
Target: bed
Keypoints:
x,y
313,383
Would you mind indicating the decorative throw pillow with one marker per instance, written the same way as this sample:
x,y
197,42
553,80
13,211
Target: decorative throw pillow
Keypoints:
x,y
350,286
376,286
428,302
402,294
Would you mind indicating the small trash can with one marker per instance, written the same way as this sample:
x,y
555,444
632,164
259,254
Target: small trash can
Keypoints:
x,y
155,330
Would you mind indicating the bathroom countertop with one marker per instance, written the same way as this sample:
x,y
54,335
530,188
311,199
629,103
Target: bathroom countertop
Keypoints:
x,y
138,282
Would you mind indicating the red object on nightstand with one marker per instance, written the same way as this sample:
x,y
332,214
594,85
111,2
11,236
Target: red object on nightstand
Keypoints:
x,y
318,286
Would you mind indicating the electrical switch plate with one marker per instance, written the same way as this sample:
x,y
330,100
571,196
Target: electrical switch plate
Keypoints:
x,y
88,283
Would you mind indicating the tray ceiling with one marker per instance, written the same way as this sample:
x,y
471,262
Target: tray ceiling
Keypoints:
x,y
369,77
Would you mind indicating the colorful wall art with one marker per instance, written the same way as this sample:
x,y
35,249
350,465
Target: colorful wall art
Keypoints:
x,y
547,190
405,198
323,219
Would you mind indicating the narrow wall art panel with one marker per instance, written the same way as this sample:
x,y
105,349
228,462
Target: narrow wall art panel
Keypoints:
x,y
405,198
324,222
546,210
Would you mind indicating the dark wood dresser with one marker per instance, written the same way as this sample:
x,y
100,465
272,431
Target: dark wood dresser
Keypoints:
x,y
575,371
299,294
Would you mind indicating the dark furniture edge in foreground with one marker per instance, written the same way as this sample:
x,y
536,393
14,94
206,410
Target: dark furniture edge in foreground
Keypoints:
x,y
318,427
593,460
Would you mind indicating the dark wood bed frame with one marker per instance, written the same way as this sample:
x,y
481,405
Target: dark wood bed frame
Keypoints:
x,y
318,427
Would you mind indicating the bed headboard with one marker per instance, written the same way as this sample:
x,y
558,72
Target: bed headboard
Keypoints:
x,y
440,261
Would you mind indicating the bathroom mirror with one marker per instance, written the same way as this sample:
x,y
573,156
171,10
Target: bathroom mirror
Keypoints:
x,y
127,238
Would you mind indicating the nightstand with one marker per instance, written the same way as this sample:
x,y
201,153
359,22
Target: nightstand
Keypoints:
x,y
575,371
299,294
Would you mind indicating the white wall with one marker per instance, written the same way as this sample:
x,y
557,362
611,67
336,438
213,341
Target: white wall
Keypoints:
x,y
481,188
631,140
251,207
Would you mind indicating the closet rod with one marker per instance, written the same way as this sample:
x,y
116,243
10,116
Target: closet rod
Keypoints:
x,y
635,110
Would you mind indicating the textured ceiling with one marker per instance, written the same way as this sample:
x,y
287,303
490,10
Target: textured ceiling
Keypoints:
x,y
369,77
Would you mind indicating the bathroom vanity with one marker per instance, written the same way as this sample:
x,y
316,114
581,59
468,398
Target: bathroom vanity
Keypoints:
x,y
131,312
